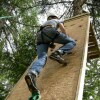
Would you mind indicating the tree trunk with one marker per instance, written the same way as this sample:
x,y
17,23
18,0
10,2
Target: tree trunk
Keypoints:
x,y
1,24
77,6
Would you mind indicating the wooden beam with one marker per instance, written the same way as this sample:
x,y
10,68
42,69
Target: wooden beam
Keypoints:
x,y
93,45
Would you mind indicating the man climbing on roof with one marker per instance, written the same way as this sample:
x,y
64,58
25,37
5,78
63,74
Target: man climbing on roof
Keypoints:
x,y
46,37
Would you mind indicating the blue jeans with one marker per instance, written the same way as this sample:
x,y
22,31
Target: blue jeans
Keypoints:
x,y
42,50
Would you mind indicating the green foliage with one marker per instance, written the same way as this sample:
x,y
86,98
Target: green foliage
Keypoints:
x,y
92,81
17,41
13,65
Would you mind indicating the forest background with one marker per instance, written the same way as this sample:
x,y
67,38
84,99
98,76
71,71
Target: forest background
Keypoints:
x,y
19,22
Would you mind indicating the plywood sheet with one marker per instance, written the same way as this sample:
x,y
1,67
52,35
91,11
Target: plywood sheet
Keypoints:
x,y
57,82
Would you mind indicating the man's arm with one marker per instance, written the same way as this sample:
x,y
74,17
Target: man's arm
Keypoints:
x,y
62,28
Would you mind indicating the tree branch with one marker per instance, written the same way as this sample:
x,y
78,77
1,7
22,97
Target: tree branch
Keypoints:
x,y
26,8
27,24
90,4
8,39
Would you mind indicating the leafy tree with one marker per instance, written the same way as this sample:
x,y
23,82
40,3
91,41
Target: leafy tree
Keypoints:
x,y
17,41
92,81
17,47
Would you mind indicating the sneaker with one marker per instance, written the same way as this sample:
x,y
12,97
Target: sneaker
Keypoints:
x,y
58,57
30,79
59,52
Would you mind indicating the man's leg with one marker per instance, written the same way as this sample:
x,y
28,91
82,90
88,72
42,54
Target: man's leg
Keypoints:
x,y
68,43
37,66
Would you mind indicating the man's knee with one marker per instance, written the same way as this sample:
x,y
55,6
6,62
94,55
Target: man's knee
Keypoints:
x,y
74,42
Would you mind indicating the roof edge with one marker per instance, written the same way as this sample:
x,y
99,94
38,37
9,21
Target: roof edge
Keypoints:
x,y
77,16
